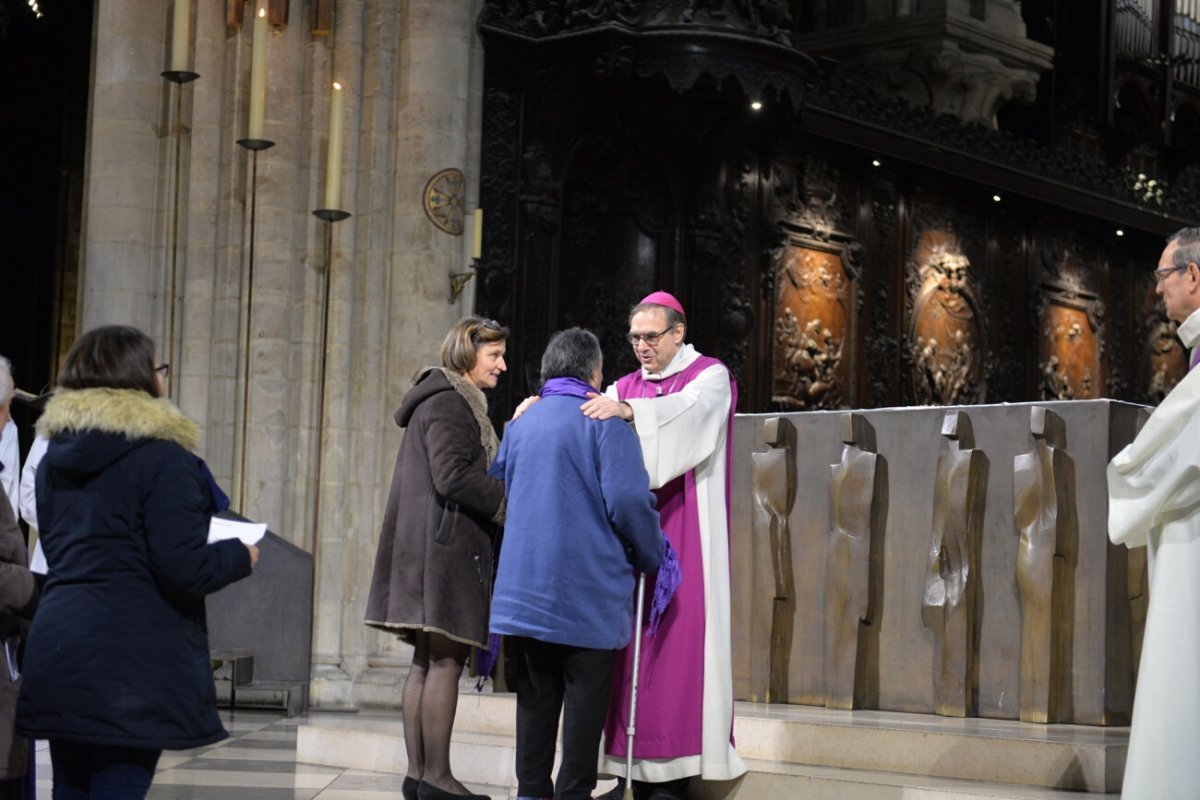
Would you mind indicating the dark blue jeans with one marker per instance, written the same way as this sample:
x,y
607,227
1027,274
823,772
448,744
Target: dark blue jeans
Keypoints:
x,y
99,772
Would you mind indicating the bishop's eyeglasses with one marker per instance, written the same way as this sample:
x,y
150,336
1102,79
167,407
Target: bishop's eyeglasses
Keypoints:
x,y
649,338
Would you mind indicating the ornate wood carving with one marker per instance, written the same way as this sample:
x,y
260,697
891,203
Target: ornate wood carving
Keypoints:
x,y
683,41
768,19
1070,325
946,324
817,294
1062,166
1004,373
883,345
1163,358
723,250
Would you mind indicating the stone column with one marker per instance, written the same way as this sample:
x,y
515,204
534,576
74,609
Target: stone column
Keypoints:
x,y
436,127
122,273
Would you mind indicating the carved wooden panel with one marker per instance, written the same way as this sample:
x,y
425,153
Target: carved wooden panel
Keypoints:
x,y
1070,334
946,327
1067,354
1164,359
816,292
813,328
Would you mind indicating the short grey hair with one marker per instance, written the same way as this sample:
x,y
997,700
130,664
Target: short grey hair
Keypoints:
x,y
1188,250
7,387
573,353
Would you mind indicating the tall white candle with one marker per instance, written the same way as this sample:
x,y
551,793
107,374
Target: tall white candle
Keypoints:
x,y
179,36
333,161
477,234
258,75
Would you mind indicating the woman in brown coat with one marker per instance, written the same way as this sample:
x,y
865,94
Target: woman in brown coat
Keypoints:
x,y
18,597
433,572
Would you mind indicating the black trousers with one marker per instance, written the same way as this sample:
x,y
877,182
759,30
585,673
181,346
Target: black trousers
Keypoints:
x,y
554,678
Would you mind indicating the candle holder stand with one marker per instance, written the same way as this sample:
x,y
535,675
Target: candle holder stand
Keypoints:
x,y
179,78
459,280
254,146
331,216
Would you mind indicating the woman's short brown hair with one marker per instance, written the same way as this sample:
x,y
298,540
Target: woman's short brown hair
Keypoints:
x,y
465,338
111,357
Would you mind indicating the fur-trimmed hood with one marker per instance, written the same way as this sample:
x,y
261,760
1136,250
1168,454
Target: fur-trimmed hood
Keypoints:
x,y
424,388
91,428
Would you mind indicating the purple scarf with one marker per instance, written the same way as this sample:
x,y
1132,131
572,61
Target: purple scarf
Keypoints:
x,y
567,387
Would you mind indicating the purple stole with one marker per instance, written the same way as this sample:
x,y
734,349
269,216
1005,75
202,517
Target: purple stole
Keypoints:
x,y
1195,358
671,675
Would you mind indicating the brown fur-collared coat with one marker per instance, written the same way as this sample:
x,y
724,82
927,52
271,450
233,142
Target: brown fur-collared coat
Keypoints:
x,y
433,569
18,597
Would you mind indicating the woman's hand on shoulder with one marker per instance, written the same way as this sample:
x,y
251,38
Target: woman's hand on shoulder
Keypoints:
x,y
525,405
253,555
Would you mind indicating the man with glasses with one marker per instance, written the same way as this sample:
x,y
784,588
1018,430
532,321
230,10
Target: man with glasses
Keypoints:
x,y
681,404
1154,500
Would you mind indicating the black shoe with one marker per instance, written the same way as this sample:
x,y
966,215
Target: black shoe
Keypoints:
x,y
641,790
618,791
427,791
671,790
409,788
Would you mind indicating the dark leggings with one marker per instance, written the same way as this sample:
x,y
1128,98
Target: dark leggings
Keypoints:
x,y
99,772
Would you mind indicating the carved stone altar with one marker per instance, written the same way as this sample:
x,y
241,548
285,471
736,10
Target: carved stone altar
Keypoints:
x,y
857,501
774,479
1044,513
1092,604
948,607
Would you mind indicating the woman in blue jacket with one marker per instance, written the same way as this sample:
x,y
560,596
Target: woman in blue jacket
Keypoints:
x,y
116,665
580,521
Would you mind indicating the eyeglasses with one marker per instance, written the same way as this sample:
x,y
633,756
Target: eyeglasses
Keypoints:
x,y
649,338
1160,275
163,369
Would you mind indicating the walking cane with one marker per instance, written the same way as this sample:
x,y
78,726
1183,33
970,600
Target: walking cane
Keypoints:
x,y
631,729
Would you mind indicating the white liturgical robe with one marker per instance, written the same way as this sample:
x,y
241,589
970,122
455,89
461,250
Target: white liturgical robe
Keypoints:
x,y
1154,500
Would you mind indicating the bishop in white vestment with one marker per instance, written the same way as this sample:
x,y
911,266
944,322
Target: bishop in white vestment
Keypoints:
x,y
1154,501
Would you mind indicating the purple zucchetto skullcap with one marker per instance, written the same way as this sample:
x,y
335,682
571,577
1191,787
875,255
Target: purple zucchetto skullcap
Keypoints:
x,y
664,299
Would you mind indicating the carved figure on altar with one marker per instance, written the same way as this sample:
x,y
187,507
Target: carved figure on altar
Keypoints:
x,y
948,607
849,567
1043,491
773,474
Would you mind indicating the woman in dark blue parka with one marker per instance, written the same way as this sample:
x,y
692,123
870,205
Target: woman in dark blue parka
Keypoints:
x,y
117,666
